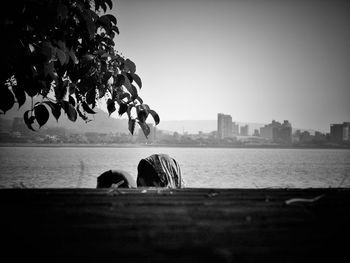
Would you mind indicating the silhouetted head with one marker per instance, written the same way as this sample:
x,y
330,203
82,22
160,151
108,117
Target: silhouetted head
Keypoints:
x,y
159,170
117,178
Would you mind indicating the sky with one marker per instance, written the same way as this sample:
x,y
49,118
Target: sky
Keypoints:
x,y
258,61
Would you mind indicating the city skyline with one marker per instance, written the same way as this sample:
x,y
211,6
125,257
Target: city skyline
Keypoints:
x,y
181,126
256,60
270,135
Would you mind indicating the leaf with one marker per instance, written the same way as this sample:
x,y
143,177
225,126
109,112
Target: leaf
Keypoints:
x,y
130,66
105,22
55,109
145,128
41,114
145,107
116,29
62,45
119,80
70,111
28,120
132,123
129,110
112,18
20,95
129,77
110,106
122,109
102,91
142,112
30,87
137,79
106,77
46,50
103,6
142,115
90,96
71,100
6,99
133,91
109,3
73,56
61,56
97,4
81,114
155,116
72,88
119,59
87,108
49,70
125,95
139,99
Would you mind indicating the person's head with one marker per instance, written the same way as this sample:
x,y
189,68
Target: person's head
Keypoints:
x,y
159,170
117,178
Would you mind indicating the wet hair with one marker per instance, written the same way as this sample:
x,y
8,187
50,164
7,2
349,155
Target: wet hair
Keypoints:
x,y
113,177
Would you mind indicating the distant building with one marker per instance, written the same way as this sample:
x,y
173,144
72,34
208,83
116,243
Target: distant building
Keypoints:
x,y
244,130
277,132
256,133
235,128
346,132
296,136
336,133
284,134
267,130
320,137
340,132
224,126
305,136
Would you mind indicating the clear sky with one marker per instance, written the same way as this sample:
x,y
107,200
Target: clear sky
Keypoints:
x,y
255,60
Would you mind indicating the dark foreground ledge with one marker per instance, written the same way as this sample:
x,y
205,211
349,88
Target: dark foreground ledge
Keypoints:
x,y
187,225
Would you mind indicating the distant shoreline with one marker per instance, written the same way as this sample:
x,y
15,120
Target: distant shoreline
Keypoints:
x,y
72,145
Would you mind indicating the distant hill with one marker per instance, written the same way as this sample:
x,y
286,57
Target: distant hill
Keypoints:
x,y
5,124
190,126
101,122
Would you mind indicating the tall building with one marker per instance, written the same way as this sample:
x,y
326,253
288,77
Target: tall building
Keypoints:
x,y
346,132
244,130
235,128
285,133
340,132
224,126
277,132
336,132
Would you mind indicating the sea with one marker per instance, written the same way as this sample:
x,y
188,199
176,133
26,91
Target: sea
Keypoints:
x,y
79,167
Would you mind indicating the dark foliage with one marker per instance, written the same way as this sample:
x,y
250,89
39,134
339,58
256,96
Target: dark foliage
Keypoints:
x,y
63,52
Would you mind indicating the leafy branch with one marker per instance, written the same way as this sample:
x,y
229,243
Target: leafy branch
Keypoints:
x,y
63,51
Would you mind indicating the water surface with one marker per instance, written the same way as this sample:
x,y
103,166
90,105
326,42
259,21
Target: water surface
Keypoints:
x,y
58,167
